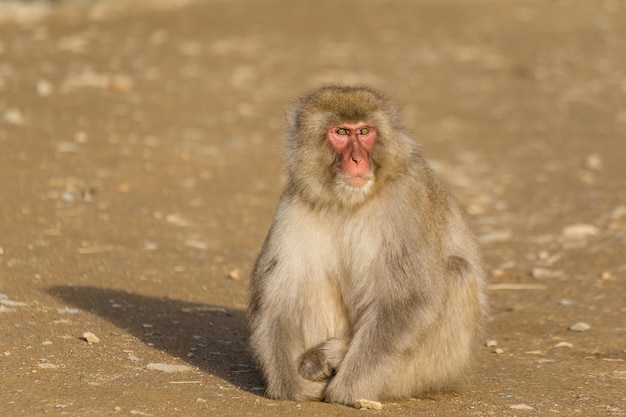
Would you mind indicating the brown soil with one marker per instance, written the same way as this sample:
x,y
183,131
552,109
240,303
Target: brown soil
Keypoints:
x,y
140,165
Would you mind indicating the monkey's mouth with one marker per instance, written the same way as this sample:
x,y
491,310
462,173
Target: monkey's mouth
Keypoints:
x,y
356,182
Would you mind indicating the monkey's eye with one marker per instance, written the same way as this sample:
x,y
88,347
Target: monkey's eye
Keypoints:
x,y
363,131
342,131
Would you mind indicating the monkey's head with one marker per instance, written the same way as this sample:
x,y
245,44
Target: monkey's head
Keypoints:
x,y
344,144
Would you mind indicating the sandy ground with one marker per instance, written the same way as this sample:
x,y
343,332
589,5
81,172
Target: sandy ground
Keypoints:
x,y
140,165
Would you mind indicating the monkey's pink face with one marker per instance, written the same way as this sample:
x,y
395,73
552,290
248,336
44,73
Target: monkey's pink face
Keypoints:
x,y
353,143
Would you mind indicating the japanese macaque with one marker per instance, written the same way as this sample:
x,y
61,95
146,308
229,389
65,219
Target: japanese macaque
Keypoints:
x,y
369,284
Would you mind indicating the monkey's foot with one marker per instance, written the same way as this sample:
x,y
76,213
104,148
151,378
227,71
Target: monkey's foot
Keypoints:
x,y
321,362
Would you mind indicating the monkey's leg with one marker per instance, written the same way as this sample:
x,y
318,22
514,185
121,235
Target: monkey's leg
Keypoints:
x,y
399,353
321,362
278,346
292,337
380,361
360,374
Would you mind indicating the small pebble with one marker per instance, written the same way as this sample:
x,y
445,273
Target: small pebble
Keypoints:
x,y
81,137
553,259
498,351
491,343
11,303
44,88
163,367
46,365
196,244
494,237
367,405
149,245
68,311
90,338
606,275
13,117
579,327
68,196
564,344
68,147
579,231
565,302
235,274
521,407
594,162
543,273
176,219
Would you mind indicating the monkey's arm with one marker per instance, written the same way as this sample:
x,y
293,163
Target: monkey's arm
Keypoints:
x,y
276,340
396,318
290,307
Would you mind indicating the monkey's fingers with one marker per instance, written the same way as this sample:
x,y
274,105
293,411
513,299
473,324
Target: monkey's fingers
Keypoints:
x,y
315,370
322,361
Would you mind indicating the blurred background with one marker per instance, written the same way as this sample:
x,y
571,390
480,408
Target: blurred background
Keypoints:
x,y
140,163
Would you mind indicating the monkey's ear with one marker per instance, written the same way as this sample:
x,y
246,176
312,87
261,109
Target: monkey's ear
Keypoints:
x,y
292,113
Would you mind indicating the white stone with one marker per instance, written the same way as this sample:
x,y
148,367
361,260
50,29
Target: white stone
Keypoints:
x,y
521,407
542,273
579,327
163,367
579,231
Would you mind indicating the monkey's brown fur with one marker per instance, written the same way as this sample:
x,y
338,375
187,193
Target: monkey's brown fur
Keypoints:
x,y
373,292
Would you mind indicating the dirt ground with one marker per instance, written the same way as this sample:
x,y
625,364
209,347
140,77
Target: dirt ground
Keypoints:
x,y
140,164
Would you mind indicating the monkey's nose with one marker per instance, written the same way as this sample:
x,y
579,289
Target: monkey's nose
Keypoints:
x,y
356,156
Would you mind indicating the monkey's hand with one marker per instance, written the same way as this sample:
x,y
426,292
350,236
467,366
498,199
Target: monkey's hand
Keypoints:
x,y
321,362
342,391
354,379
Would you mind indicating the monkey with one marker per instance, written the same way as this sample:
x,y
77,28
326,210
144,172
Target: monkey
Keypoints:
x,y
369,284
